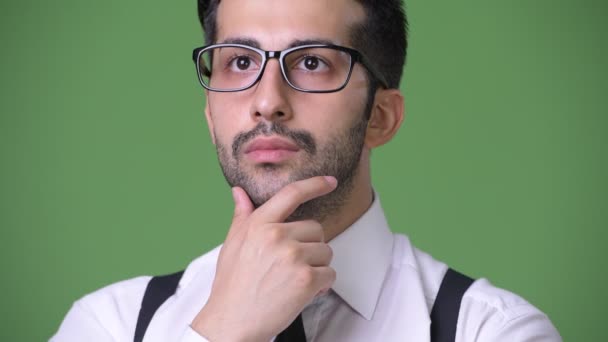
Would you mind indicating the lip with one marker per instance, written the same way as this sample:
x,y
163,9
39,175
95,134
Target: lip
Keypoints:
x,y
270,150
274,143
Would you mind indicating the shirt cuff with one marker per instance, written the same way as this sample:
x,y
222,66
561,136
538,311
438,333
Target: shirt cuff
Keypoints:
x,y
192,336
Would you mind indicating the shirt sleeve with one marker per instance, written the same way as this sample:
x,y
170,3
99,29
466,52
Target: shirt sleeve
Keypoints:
x,y
533,327
490,314
81,325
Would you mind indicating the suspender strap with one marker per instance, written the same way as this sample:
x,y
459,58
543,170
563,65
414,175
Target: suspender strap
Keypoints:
x,y
158,290
444,315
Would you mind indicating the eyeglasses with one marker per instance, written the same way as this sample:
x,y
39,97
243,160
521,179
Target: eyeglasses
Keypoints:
x,y
317,68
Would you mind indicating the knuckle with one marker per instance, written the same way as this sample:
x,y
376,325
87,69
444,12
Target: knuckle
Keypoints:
x,y
314,225
274,235
292,254
305,277
316,229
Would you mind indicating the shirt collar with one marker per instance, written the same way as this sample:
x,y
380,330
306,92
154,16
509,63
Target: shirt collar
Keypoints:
x,y
362,255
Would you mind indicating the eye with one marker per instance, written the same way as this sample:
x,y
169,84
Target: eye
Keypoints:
x,y
241,63
311,63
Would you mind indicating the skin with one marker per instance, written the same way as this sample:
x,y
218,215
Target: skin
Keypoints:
x,y
269,269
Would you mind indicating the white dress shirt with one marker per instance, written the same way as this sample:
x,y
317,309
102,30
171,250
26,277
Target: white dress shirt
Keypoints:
x,y
384,291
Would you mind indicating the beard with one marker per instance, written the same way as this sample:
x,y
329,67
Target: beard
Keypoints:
x,y
339,157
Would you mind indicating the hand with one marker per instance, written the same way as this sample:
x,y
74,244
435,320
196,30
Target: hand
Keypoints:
x,y
267,270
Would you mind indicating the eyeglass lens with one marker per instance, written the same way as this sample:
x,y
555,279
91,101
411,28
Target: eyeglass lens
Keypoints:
x,y
314,68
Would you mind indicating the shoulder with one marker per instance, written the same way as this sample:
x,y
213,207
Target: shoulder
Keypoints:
x,y
494,314
124,297
120,297
487,312
110,312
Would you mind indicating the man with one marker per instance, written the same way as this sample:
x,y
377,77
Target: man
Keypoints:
x,y
298,94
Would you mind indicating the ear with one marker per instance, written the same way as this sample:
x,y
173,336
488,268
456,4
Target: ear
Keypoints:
x,y
386,117
208,117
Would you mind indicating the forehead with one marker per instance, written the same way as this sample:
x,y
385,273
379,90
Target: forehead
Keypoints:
x,y
277,23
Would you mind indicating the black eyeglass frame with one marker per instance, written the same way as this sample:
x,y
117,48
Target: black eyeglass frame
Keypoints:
x,y
356,57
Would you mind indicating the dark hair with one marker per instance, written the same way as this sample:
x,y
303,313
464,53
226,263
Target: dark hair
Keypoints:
x,y
382,37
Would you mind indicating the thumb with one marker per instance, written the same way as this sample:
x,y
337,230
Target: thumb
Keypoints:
x,y
242,204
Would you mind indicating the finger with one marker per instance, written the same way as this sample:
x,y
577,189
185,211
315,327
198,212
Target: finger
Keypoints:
x,y
316,254
284,202
242,207
325,277
305,231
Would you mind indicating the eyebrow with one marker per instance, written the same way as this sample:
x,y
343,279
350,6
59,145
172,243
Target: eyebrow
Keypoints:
x,y
243,41
298,42
256,44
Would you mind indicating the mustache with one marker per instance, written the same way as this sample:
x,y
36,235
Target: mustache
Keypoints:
x,y
301,138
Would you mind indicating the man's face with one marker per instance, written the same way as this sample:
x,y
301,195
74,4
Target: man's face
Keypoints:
x,y
271,135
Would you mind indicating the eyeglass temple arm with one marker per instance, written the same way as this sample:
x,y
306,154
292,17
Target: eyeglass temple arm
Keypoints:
x,y
195,54
373,70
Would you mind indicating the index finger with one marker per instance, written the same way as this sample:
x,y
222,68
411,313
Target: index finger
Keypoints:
x,y
285,202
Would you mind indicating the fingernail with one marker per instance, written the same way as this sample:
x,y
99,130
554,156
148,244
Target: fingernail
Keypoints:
x,y
331,180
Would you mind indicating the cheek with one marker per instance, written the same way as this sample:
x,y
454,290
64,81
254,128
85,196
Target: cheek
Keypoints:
x,y
325,114
229,116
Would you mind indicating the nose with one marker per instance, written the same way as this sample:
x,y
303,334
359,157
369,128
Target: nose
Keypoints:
x,y
271,95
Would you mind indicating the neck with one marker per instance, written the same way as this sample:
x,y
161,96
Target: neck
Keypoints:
x,y
357,203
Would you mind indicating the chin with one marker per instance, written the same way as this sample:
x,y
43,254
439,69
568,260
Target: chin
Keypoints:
x,y
263,187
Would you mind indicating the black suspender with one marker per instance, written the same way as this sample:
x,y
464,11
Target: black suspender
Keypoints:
x,y
159,289
444,315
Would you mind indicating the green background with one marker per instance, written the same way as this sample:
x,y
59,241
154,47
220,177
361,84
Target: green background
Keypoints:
x,y
107,170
